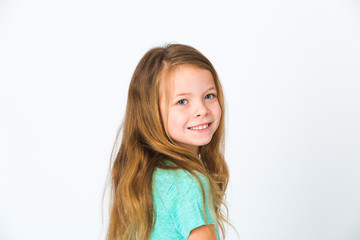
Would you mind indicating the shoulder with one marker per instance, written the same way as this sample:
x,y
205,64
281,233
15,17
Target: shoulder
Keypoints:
x,y
177,189
180,193
178,180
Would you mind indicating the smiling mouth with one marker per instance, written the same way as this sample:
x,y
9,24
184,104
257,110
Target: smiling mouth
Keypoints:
x,y
200,127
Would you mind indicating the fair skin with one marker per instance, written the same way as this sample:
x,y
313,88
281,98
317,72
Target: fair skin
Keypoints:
x,y
192,117
204,232
193,110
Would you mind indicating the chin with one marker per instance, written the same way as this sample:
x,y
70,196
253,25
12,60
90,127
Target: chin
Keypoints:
x,y
200,144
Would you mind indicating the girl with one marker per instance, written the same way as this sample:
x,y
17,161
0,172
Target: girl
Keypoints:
x,y
169,177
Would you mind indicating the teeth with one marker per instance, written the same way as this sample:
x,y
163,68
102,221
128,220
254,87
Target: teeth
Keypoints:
x,y
200,127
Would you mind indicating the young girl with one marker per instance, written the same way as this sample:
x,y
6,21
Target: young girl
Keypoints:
x,y
169,177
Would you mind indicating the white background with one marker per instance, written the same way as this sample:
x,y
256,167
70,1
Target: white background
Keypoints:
x,y
290,72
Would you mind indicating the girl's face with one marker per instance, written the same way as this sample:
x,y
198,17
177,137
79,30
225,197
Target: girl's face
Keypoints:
x,y
193,111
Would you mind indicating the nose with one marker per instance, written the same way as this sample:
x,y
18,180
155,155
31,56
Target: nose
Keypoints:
x,y
201,109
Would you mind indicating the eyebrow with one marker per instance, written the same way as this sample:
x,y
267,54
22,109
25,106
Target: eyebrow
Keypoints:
x,y
186,94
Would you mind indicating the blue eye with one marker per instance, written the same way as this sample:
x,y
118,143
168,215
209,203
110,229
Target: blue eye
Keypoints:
x,y
182,102
210,96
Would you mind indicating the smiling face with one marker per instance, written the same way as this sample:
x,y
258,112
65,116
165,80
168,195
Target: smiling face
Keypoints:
x,y
193,113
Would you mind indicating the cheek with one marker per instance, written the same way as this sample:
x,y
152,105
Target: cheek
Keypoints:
x,y
217,115
176,121
217,111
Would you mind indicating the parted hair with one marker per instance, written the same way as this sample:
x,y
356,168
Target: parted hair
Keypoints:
x,y
145,146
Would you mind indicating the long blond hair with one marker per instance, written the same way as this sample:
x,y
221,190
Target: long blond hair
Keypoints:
x,y
145,145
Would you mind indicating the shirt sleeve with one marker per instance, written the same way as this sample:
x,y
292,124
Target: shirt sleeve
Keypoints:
x,y
185,203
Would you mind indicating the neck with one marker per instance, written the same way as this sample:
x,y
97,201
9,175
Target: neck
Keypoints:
x,y
193,149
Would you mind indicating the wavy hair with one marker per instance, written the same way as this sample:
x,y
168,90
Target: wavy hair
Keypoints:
x,y
145,145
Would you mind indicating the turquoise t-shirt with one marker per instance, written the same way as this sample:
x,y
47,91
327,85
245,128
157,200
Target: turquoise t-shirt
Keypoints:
x,y
178,203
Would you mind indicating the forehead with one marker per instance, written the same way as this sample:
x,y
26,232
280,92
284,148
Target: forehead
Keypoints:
x,y
187,78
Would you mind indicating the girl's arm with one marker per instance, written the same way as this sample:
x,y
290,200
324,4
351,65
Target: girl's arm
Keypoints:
x,y
204,232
